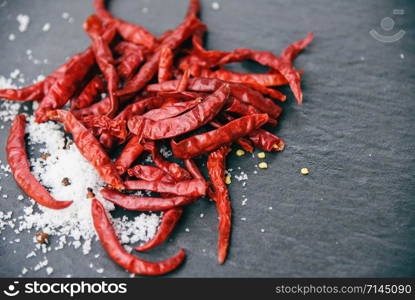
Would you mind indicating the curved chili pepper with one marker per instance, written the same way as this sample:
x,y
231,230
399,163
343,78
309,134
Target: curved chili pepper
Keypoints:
x,y
116,128
216,169
173,169
89,94
292,51
188,188
89,147
168,222
171,110
20,167
239,91
149,69
104,59
194,118
129,154
243,142
119,255
209,141
267,91
150,173
130,32
132,202
165,65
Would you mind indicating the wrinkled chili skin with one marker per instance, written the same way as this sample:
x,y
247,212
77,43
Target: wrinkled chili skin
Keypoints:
x,y
292,51
209,141
171,110
165,65
128,64
89,147
168,222
243,142
129,154
239,91
149,69
216,169
104,59
173,169
193,169
266,141
101,123
89,94
140,203
150,173
20,167
193,119
119,255
188,188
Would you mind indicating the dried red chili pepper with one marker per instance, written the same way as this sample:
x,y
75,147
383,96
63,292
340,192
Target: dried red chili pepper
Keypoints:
x,y
165,65
89,94
292,51
89,147
243,142
239,91
128,64
132,202
194,118
171,110
193,169
173,169
188,188
104,59
150,173
184,81
149,69
20,167
168,222
216,169
209,141
129,154
118,254
116,128
125,47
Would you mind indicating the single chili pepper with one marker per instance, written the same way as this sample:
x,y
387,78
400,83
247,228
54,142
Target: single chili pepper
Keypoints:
x,y
193,169
243,142
263,139
20,167
168,222
171,110
132,202
216,169
209,141
129,154
150,173
89,147
119,255
267,91
239,91
243,109
194,118
89,94
130,32
292,51
116,128
104,59
183,82
274,79
165,65
173,169
188,188
148,70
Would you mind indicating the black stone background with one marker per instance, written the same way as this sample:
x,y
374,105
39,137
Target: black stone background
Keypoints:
x,y
352,216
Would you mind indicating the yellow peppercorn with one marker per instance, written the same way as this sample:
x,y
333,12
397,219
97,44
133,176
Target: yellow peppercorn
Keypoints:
x,y
261,155
304,171
263,165
228,179
240,152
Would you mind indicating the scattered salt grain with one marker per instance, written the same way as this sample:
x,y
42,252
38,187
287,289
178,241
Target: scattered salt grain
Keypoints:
x,y
144,10
24,271
15,73
215,6
243,219
12,37
187,230
41,264
20,197
270,208
100,270
24,21
65,15
262,230
49,270
46,27
402,56
202,215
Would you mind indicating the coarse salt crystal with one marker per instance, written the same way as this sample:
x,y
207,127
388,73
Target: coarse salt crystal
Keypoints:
x,y
12,37
24,21
215,6
46,27
49,270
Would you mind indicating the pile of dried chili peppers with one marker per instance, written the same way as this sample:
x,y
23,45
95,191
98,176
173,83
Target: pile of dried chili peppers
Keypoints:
x,y
159,90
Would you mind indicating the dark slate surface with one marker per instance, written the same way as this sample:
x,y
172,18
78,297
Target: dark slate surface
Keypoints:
x,y
352,216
